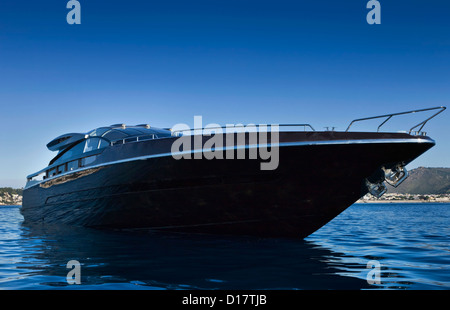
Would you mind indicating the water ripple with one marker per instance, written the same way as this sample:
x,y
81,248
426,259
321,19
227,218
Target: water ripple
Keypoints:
x,y
410,241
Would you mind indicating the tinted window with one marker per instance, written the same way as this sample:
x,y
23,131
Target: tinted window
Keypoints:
x,y
94,144
130,131
72,165
149,137
74,151
91,144
88,160
98,132
103,143
62,168
114,135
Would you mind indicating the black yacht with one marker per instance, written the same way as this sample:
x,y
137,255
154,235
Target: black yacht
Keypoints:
x,y
129,177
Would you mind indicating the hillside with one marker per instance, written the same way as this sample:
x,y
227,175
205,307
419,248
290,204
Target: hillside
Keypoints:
x,y
424,181
10,196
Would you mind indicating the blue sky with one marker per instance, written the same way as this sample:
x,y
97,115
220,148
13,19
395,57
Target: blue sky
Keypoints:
x,y
162,62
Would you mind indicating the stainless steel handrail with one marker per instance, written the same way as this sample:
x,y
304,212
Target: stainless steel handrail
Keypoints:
x,y
243,126
389,116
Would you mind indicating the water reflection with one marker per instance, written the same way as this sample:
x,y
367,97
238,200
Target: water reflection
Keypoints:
x,y
410,241
145,260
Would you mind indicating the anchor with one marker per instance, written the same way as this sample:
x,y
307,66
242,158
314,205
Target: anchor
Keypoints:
x,y
396,175
376,189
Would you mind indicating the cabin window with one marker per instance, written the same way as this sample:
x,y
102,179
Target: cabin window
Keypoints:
x,y
149,137
74,151
72,165
91,144
103,143
94,144
113,135
61,168
132,139
88,160
84,146
51,173
99,131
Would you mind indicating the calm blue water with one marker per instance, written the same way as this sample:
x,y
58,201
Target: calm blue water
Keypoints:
x,y
410,241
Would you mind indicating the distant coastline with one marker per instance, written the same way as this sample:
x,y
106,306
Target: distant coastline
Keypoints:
x,y
406,198
10,196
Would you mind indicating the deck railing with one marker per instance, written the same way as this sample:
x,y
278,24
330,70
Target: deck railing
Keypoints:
x,y
389,116
248,126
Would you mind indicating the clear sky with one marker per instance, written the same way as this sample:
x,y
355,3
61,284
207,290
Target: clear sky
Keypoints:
x,y
231,61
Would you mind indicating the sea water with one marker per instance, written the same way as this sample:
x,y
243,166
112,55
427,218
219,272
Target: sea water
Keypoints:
x,y
409,242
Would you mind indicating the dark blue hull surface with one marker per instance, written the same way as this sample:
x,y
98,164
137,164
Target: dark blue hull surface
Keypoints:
x,y
312,185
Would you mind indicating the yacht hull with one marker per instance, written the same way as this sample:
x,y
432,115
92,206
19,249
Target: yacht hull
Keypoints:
x,y
313,183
